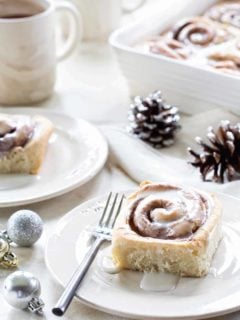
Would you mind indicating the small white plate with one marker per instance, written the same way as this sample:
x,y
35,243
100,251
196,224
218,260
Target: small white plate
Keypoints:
x,y
121,294
76,153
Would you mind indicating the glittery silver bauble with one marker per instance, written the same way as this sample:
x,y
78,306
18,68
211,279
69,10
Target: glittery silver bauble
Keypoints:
x,y
24,227
21,290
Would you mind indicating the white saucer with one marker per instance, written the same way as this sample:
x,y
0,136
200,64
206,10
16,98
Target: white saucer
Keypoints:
x,y
121,294
76,153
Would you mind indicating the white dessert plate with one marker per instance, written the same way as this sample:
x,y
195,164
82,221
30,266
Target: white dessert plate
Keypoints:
x,y
158,296
76,153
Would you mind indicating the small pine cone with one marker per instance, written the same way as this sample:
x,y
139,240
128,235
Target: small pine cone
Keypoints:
x,y
153,121
221,157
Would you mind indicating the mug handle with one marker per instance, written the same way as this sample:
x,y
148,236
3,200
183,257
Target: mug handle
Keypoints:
x,y
75,28
131,8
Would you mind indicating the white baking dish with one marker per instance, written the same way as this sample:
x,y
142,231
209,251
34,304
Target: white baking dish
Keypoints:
x,y
191,87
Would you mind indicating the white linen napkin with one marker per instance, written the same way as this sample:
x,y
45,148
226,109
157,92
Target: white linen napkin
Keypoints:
x,y
141,162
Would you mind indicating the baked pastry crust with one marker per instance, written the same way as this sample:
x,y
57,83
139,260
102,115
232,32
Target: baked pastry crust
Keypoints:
x,y
29,157
187,257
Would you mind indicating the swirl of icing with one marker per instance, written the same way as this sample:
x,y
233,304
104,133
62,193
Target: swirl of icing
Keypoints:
x,y
14,132
228,13
168,212
198,31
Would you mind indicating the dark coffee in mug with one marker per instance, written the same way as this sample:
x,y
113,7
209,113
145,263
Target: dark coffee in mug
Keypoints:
x,y
15,16
17,9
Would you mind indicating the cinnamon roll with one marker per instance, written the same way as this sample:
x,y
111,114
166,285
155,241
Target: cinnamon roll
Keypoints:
x,y
199,31
227,12
168,228
227,65
193,39
23,142
227,60
170,48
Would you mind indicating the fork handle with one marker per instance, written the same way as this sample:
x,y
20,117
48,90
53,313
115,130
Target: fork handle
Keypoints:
x,y
71,288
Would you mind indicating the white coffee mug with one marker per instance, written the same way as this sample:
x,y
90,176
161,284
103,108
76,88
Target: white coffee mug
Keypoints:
x,y
28,55
101,17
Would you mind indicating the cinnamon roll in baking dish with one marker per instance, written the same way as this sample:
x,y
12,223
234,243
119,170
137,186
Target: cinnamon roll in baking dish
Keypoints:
x,y
168,228
227,12
199,31
201,40
23,142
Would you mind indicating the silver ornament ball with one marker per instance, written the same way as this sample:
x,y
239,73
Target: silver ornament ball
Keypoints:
x,y
24,227
20,288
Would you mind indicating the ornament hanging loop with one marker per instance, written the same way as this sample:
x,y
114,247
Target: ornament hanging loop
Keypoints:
x,y
36,305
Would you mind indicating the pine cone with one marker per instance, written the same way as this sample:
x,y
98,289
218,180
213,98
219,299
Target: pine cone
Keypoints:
x,y
153,121
221,157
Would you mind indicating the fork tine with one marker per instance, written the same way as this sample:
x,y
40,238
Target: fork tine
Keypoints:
x,y
111,211
105,209
118,211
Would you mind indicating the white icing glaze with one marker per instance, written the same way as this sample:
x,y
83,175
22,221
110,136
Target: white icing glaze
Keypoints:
x,y
169,212
159,281
14,131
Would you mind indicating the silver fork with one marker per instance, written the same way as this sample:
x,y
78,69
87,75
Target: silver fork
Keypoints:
x,y
101,233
